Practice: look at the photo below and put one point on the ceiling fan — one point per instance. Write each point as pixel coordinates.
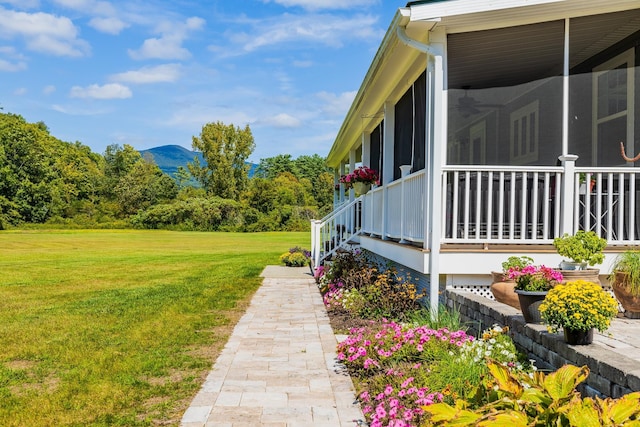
(469, 106)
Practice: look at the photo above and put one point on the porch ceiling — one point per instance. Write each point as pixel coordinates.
(395, 65)
(502, 60)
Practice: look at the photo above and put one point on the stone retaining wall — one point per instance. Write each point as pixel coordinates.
(612, 374)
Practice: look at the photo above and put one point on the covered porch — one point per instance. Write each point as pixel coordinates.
(492, 124)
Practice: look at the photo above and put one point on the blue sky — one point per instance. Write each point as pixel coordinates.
(153, 72)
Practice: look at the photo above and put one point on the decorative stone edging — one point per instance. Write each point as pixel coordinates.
(611, 373)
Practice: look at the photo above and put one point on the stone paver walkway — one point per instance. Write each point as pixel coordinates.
(279, 366)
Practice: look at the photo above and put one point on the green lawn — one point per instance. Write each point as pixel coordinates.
(119, 327)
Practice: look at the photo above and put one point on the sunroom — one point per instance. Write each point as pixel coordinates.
(495, 127)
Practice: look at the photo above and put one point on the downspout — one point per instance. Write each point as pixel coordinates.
(433, 193)
(422, 47)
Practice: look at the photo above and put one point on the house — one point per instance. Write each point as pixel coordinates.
(495, 127)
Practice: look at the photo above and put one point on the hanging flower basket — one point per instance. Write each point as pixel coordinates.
(363, 175)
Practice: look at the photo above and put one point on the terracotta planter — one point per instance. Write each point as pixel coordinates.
(498, 276)
(578, 337)
(589, 275)
(530, 305)
(503, 290)
(629, 302)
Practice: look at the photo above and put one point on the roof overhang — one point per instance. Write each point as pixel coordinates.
(396, 65)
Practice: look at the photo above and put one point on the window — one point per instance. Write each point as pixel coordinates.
(612, 105)
(524, 135)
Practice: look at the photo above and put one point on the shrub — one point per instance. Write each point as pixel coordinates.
(368, 293)
(296, 257)
(200, 214)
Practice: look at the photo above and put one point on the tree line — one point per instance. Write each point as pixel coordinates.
(44, 180)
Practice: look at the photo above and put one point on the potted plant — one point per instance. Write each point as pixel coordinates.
(360, 179)
(513, 262)
(625, 281)
(582, 177)
(532, 284)
(578, 307)
(502, 287)
(583, 248)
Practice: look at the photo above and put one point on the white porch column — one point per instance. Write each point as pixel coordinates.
(388, 138)
(342, 172)
(567, 192)
(404, 171)
(387, 155)
(565, 91)
(352, 166)
(337, 194)
(366, 149)
(437, 143)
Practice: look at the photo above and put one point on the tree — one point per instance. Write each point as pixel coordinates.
(25, 171)
(225, 149)
(118, 162)
(310, 167)
(271, 167)
(145, 185)
(182, 177)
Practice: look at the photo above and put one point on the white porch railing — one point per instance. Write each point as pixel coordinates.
(492, 204)
(335, 230)
(608, 202)
(405, 199)
(499, 205)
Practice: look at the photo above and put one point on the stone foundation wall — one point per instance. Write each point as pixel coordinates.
(611, 373)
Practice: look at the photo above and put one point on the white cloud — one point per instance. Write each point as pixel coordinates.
(282, 120)
(108, 25)
(336, 104)
(20, 91)
(108, 91)
(195, 116)
(12, 66)
(97, 7)
(78, 111)
(324, 4)
(49, 89)
(302, 64)
(43, 32)
(157, 74)
(162, 48)
(329, 30)
(23, 4)
(169, 44)
(104, 16)
(14, 61)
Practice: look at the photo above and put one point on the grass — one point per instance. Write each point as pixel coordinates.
(119, 328)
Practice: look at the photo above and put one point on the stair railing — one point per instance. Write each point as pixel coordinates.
(335, 230)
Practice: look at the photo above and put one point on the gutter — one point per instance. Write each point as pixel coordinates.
(401, 31)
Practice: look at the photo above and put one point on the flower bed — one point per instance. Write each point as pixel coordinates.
(400, 366)
(419, 372)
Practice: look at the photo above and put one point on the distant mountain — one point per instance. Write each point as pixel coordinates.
(170, 157)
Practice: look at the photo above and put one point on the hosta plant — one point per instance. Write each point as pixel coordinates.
(510, 398)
